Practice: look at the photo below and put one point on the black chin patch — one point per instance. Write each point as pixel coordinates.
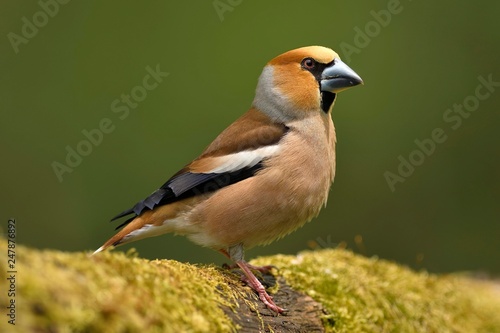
(327, 99)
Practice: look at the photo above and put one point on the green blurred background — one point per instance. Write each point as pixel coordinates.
(444, 217)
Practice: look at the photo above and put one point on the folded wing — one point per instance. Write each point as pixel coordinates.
(236, 154)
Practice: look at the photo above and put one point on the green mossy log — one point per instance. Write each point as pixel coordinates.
(120, 292)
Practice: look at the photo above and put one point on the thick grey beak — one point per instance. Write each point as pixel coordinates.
(338, 77)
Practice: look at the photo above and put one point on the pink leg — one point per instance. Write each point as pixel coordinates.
(255, 284)
(263, 269)
(236, 253)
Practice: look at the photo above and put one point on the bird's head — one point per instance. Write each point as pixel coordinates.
(301, 81)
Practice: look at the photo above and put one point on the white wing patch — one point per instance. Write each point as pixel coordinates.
(244, 159)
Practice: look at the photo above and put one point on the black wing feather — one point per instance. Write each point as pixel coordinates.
(187, 185)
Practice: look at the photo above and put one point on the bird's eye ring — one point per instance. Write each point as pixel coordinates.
(308, 63)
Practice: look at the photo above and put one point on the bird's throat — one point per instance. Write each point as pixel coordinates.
(327, 99)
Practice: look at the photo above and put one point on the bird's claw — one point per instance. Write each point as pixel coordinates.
(268, 301)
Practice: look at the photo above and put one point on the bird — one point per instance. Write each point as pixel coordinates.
(264, 176)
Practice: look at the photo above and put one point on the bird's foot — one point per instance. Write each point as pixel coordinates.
(250, 279)
(268, 300)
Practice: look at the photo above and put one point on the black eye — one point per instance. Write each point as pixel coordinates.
(308, 63)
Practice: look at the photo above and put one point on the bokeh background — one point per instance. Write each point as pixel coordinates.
(63, 79)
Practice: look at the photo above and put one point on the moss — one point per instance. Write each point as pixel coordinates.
(115, 292)
(118, 292)
(372, 295)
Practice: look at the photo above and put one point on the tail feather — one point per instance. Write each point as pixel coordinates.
(150, 223)
(98, 250)
(120, 238)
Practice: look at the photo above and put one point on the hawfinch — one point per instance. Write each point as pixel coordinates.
(264, 176)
